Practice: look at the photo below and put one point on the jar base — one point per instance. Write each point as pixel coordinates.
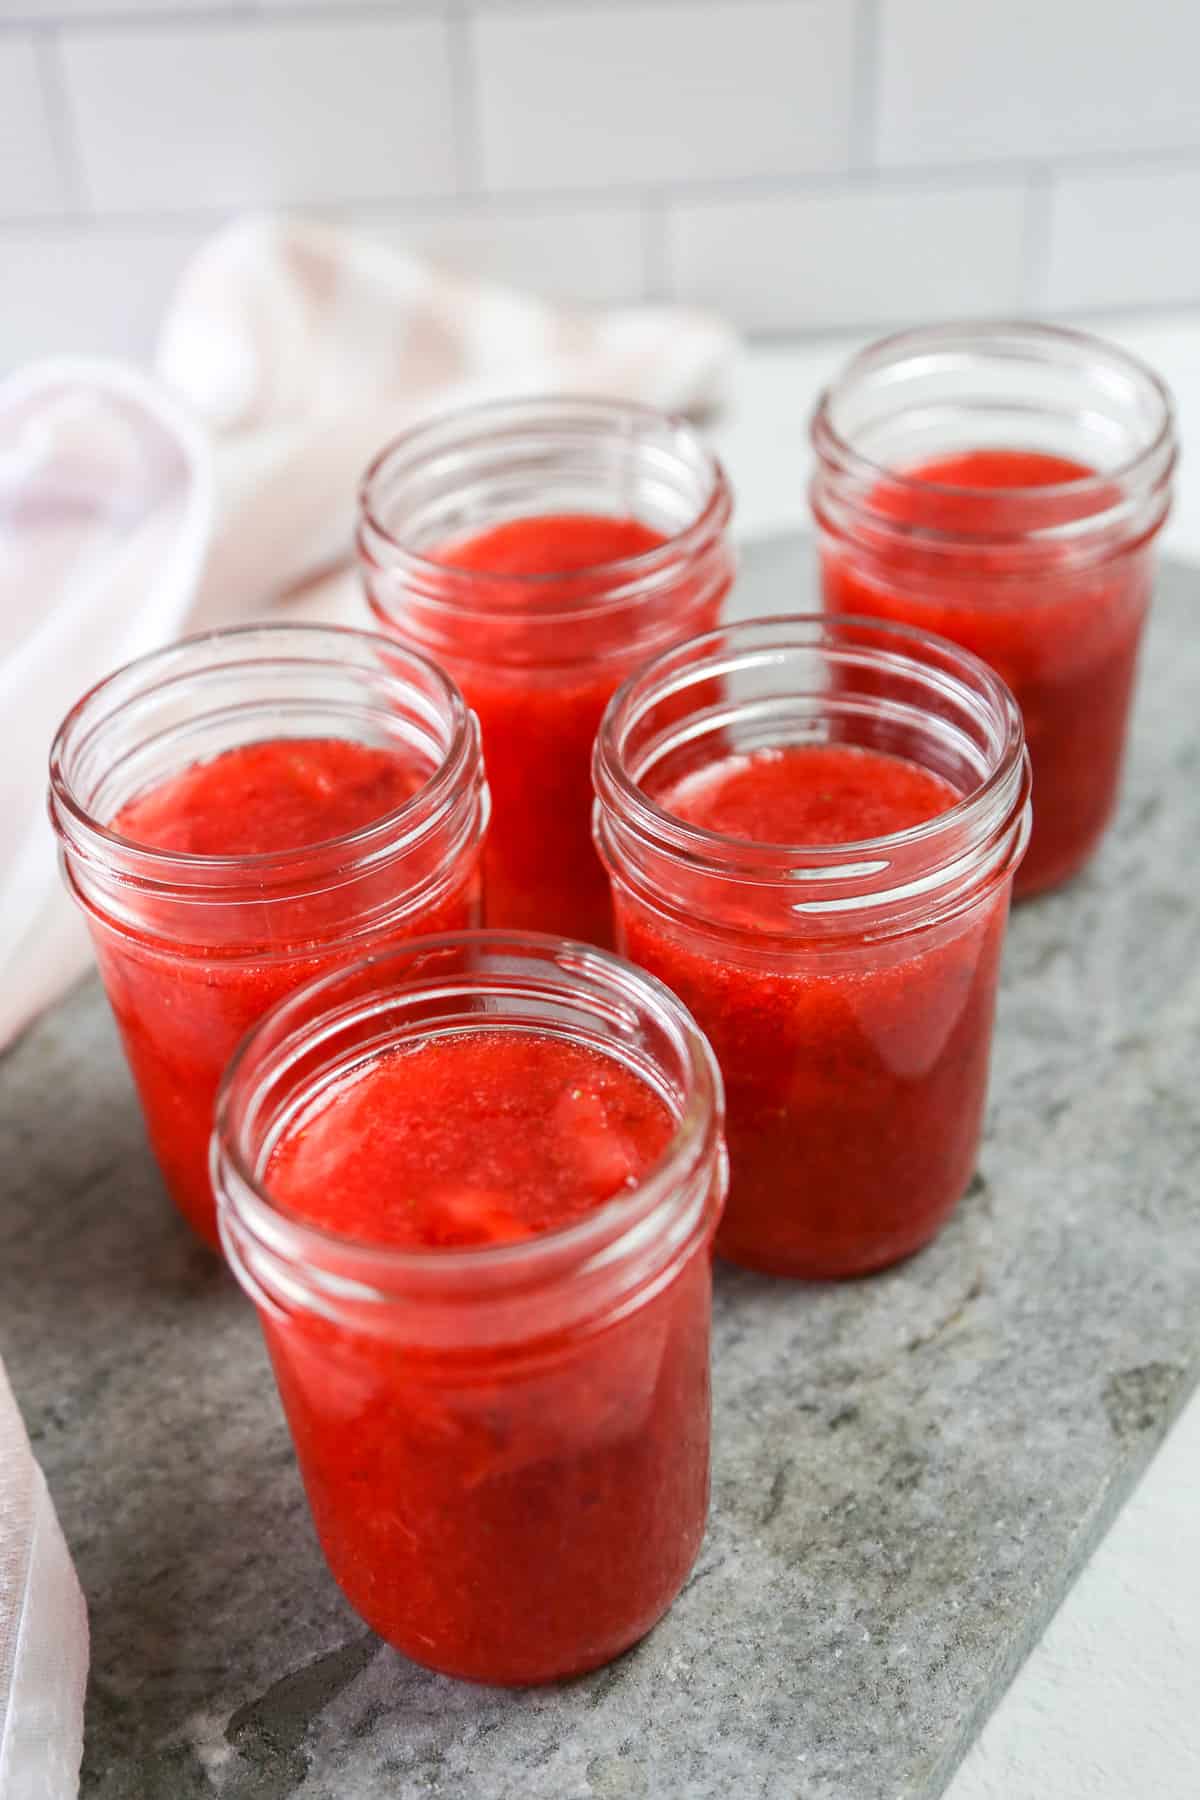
(815, 1266)
(199, 1215)
(1049, 881)
(525, 1676)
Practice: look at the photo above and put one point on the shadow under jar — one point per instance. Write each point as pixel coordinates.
(847, 988)
(498, 540)
(1003, 485)
(505, 1444)
(244, 738)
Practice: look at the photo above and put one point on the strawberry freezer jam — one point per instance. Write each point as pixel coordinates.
(558, 544)
(506, 1514)
(855, 1070)
(1065, 640)
(539, 724)
(482, 1138)
(818, 794)
(273, 795)
(182, 1011)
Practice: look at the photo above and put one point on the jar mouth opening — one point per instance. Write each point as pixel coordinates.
(990, 337)
(896, 648)
(290, 645)
(298, 1023)
(623, 576)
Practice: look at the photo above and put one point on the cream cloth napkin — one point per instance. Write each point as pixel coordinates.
(134, 508)
(304, 348)
(43, 1630)
(105, 519)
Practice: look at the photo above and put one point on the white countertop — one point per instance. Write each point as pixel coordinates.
(1105, 1708)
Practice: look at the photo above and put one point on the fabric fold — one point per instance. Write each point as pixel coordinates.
(43, 1629)
(137, 507)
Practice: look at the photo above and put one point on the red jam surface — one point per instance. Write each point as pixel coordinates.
(512, 1513)
(811, 794)
(539, 723)
(484, 1138)
(555, 544)
(1066, 642)
(855, 1070)
(270, 796)
(183, 1009)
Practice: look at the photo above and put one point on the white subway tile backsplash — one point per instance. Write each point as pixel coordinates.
(77, 289)
(593, 254)
(801, 164)
(254, 113)
(618, 94)
(1124, 238)
(856, 256)
(30, 179)
(976, 79)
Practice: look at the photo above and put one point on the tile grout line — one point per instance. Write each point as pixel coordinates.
(465, 111)
(68, 155)
(702, 192)
(163, 18)
(219, 11)
(1032, 177)
(864, 89)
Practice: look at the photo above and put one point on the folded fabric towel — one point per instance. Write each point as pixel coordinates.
(304, 348)
(43, 1630)
(134, 508)
(105, 523)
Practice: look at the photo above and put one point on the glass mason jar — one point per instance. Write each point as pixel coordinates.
(1003, 484)
(505, 1447)
(847, 990)
(539, 655)
(193, 949)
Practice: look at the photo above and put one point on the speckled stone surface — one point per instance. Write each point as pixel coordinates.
(908, 1470)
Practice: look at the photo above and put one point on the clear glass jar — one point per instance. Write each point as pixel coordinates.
(506, 1447)
(847, 990)
(1003, 485)
(193, 949)
(539, 655)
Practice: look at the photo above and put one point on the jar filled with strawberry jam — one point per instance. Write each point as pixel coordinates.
(812, 826)
(471, 1187)
(1003, 485)
(540, 550)
(238, 813)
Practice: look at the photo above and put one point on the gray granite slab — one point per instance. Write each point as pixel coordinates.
(909, 1470)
